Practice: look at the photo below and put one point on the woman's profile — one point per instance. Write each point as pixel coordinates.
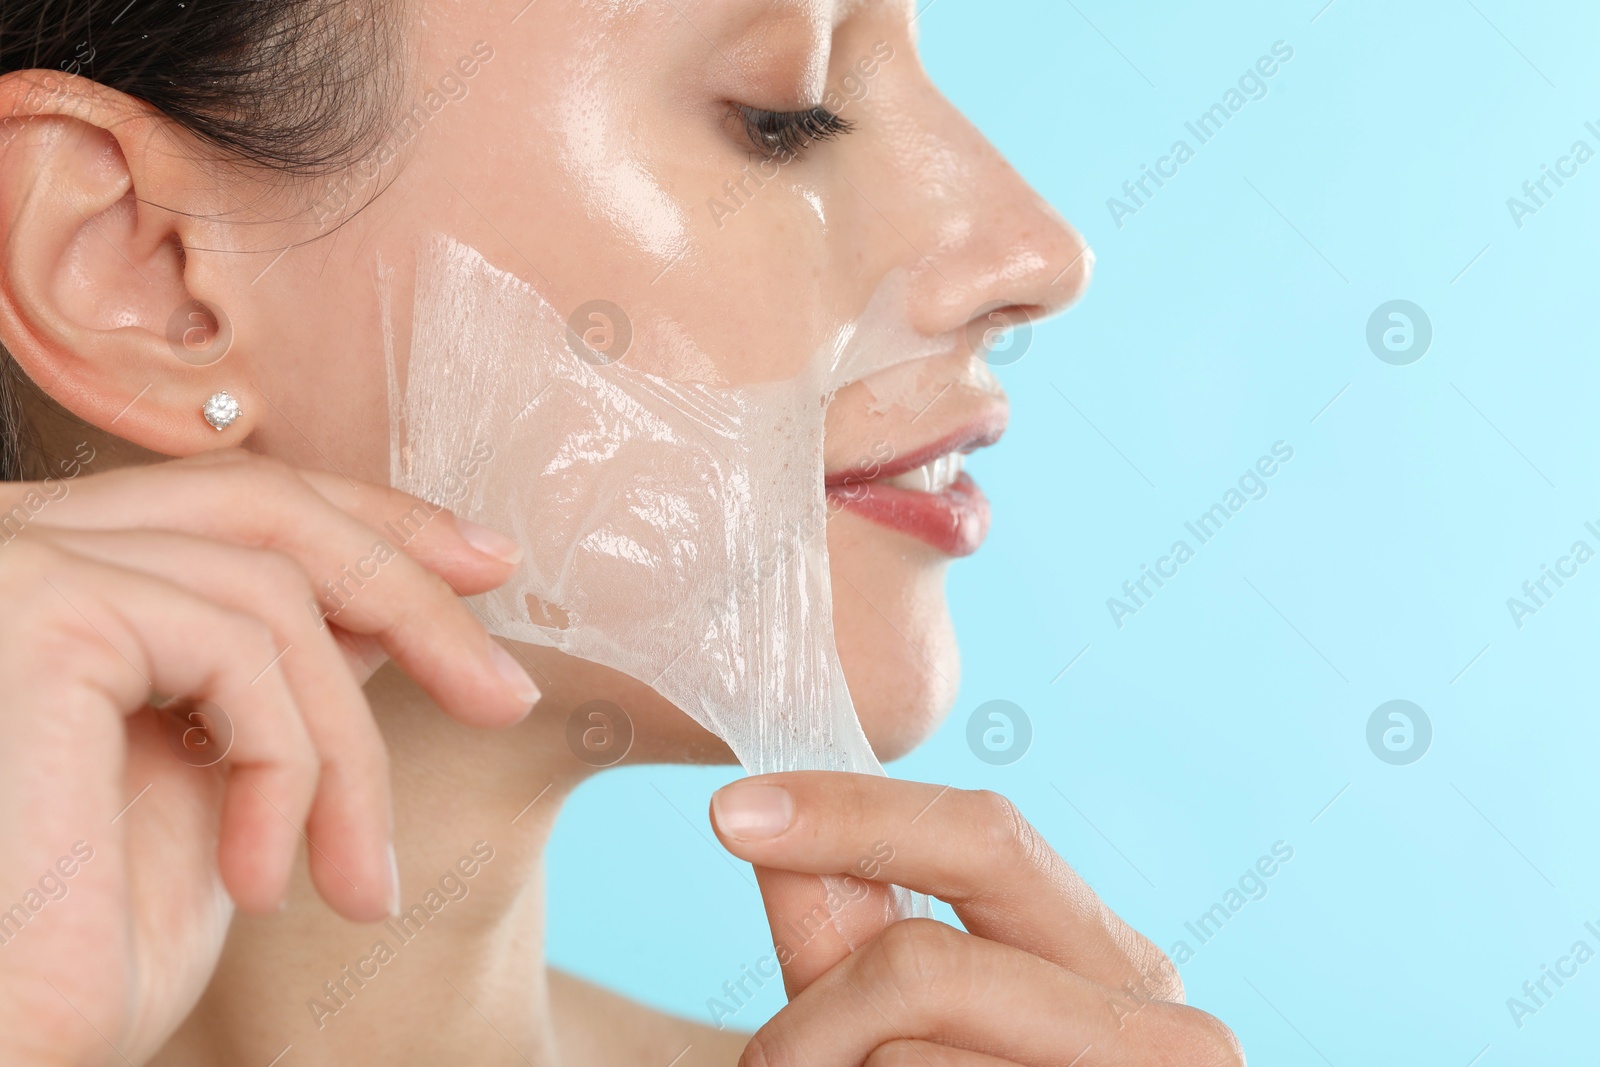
(269, 791)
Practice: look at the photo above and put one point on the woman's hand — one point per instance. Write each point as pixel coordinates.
(260, 598)
(1046, 976)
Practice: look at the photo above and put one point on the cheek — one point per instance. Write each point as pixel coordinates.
(894, 632)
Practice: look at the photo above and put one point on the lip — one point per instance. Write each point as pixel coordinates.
(954, 521)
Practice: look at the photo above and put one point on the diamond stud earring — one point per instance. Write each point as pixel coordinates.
(220, 410)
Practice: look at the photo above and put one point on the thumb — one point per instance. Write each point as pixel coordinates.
(818, 920)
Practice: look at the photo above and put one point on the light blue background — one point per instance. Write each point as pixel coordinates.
(1228, 314)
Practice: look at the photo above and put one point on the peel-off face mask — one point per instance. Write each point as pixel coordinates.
(673, 516)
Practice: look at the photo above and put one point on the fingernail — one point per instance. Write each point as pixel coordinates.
(394, 883)
(752, 811)
(491, 543)
(517, 678)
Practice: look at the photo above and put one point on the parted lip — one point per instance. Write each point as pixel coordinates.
(978, 432)
(954, 520)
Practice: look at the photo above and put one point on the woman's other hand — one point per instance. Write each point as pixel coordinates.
(255, 599)
(1046, 975)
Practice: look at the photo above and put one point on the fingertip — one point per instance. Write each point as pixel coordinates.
(752, 810)
(357, 890)
(477, 683)
(489, 543)
(258, 842)
(475, 560)
(525, 693)
(351, 855)
(255, 865)
(256, 894)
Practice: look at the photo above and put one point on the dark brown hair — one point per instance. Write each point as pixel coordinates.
(297, 86)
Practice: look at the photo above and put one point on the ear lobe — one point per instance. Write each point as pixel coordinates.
(94, 301)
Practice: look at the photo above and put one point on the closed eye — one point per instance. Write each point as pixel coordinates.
(786, 133)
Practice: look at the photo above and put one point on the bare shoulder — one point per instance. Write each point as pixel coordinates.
(596, 1027)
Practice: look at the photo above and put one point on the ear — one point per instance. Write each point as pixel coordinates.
(99, 303)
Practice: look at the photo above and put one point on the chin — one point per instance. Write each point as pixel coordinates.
(895, 639)
(894, 633)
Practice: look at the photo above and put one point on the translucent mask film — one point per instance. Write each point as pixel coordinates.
(673, 517)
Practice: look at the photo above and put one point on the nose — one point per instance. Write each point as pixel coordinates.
(981, 240)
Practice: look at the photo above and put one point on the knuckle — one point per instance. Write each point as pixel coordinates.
(283, 588)
(272, 582)
(236, 463)
(1006, 837)
(273, 480)
(283, 571)
(264, 465)
(250, 636)
(53, 641)
(762, 1051)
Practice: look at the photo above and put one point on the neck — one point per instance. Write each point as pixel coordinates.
(460, 975)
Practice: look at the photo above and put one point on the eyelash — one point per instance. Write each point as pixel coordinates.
(776, 133)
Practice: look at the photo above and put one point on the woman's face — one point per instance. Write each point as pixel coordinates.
(591, 148)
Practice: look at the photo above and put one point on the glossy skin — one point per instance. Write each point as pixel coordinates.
(577, 144)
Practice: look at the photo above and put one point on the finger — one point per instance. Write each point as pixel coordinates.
(924, 981)
(472, 558)
(350, 827)
(971, 849)
(363, 582)
(167, 639)
(906, 1053)
(818, 920)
